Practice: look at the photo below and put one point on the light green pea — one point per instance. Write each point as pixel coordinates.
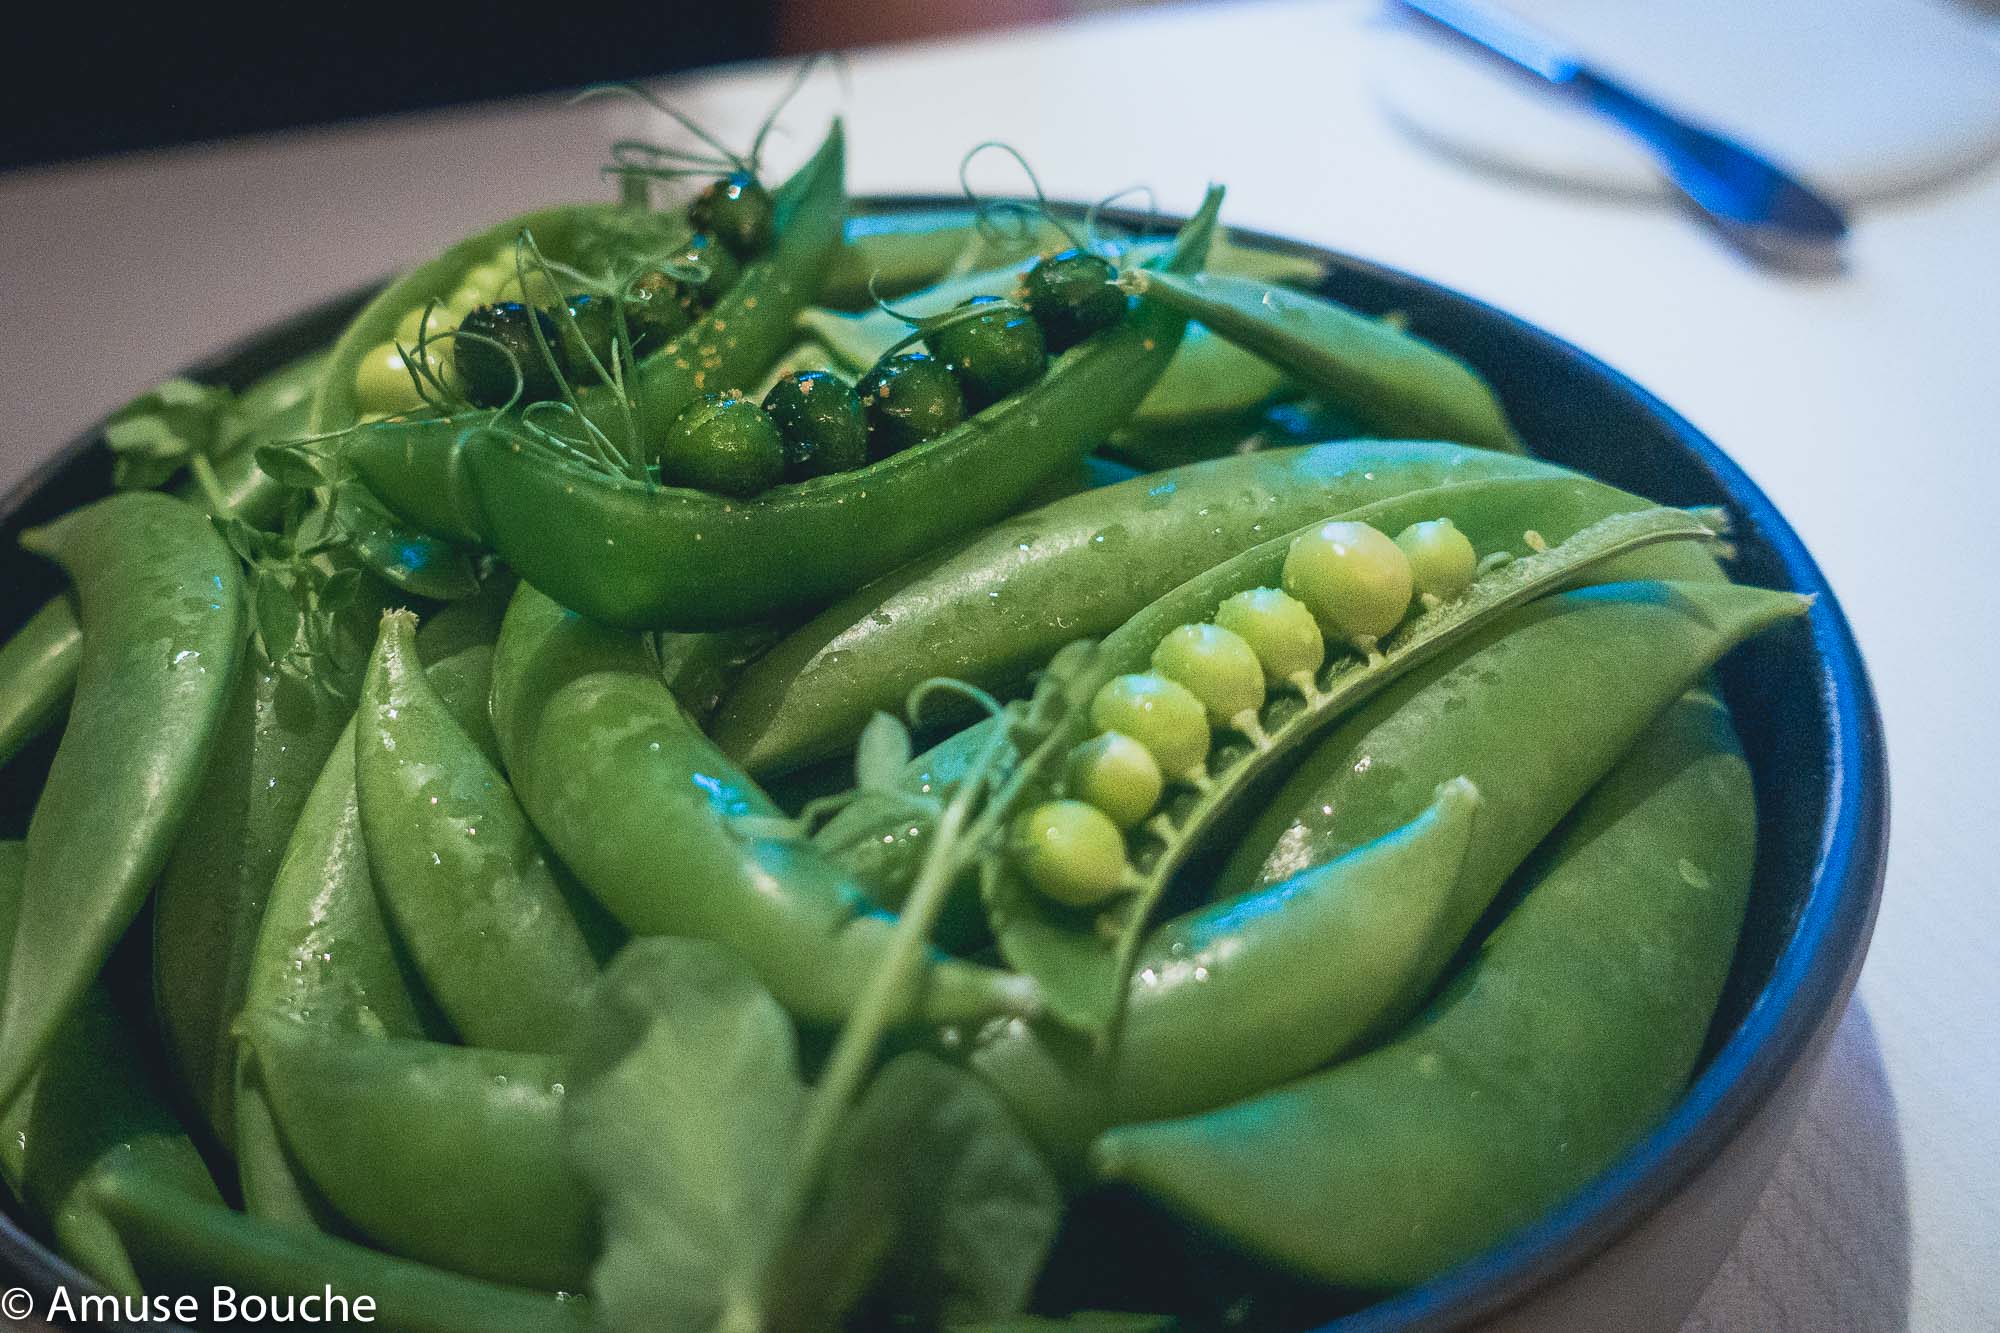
(1442, 561)
(1160, 714)
(1217, 666)
(1072, 852)
(1117, 775)
(1354, 580)
(1280, 630)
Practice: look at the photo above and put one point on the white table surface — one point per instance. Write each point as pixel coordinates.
(1864, 405)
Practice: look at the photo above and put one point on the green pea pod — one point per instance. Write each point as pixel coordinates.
(999, 606)
(449, 1155)
(639, 556)
(662, 829)
(461, 872)
(1568, 1035)
(160, 599)
(324, 956)
(1398, 383)
(1539, 708)
(38, 664)
(414, 466)
(87, 1111)
(275, 735)
(1247, 992)
(1084, 959)
(1209, 378)
(196, 1248)
(38, 667)
(889, 254)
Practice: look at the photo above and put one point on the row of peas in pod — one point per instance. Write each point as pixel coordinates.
(1345, 584)
(812, 423)
(494, 354)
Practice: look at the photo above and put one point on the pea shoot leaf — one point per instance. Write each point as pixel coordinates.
(278, 613)
(681, 1121)
(292, 465)
(935, 1207)
(155, 434)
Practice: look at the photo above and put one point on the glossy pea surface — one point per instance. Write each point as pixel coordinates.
(737, 211)
(1160, 714)
(502, 352)
(994, 347)
(725, 445)
(910, 398)
(822, 422)
(1279, 629)
(1216, 666)
(1116, 774)
(1442, 561)
(1355, 581)
(1072, 295)
(1072, 851)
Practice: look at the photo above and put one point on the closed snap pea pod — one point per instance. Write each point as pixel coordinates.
(642, 808)
(415, 466)
(179, 1246)
(997, 607)
(89, 1110)
(160, 599)
(38, 667)
(1571, 1032)
(1247, 992)
(274, 739)
(1083, 962)
(636, 556)
(1398, 383)
(449, 1155)
(459, 869)
(1539, 707)
(38, 663)
(324, 956)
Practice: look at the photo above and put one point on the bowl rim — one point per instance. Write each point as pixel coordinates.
(1811, 976)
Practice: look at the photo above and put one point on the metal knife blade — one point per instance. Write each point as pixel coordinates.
(1755, 203)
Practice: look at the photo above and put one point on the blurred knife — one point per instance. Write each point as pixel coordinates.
(1774, 216)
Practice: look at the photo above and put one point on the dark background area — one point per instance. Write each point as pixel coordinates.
(87, 80)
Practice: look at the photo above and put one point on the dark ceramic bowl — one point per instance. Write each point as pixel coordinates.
(1636, 1247)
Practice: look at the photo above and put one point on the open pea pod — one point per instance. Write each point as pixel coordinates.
(193, 1248)
(1247, 992)
(160, 600)
(1209, 378)
(89, 1111)
(445, 1154)
(415, 467)
(1396, 382)
(1529, 1075)
(665, 831)
(1083, 958)
(639, 556)
(998, 606)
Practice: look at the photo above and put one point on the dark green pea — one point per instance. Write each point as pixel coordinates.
(590, 331)
(723, 444)
(996, 352)
(660, 307)
(738, 211)
(1073, 295)
(822, 423)
(487, 372)
(715, 260)
(910, 398)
